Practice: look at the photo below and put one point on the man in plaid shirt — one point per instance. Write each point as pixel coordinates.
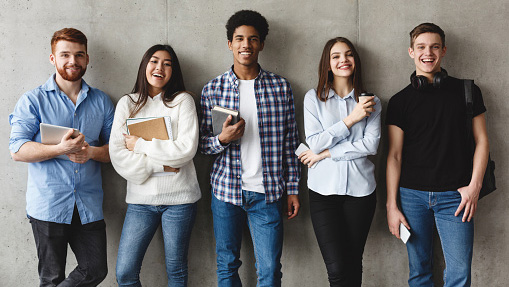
(256, 161)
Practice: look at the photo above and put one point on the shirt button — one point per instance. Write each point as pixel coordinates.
(238, 176)
(238, 160)
(76, 171)
(75, 190)
(75, 114)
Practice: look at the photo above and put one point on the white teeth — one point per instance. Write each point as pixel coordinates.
(427, 60)
(245, 53)
(157, 75)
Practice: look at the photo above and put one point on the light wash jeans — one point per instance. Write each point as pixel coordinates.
(423, 210)
(266, 227)
(141, 222)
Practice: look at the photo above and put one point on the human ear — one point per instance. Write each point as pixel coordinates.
(52, 59)
(411, 52)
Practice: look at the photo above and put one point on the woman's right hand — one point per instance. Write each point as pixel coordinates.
(363, 109)
(394, 219)
(309, 158)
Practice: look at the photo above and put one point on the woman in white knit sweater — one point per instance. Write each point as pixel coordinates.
(162, 187)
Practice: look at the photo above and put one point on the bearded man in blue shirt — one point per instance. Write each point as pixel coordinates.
(255, 161)
(64, 189)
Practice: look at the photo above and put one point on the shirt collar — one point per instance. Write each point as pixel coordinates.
(157, 97)
(51, 85)
(333, 94)
(233, 78)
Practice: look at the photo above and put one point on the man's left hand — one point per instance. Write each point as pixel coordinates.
(82, 156)
(469, 198)
(293, 205)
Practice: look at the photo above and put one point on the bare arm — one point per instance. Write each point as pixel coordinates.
(470, 193)
(36, 152)
(394, 215)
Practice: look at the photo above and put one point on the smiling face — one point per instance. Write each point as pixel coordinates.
(427, 53)
(342, 63)
(158, 72)
(245, 46)
(70, 60)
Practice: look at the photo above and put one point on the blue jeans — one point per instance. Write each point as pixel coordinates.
(266, 227)
(140, 225)
(422, 210)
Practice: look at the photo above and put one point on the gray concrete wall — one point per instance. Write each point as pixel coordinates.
(120, 31)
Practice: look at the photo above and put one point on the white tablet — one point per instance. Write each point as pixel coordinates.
(52, 134)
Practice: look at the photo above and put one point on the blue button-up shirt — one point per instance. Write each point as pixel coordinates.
(278, 136)
(56, 185)
(348, 171)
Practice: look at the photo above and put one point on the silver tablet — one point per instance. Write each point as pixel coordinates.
(52, 134)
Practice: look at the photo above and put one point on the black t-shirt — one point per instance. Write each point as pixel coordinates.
(436, 154)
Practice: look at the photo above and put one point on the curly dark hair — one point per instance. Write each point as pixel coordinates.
(248, 18)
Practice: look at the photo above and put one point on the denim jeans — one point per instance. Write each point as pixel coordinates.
(88, 242)
(266, 227)
(423, 210)
(140, 225)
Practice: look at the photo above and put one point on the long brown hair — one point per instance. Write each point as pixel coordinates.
(174, 86)
(326, 77)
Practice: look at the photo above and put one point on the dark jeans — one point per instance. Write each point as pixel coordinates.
(341, 225)
(88, 242)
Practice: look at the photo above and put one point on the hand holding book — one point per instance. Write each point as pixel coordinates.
(231, 133)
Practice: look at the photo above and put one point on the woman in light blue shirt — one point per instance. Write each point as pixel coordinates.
(342, 128)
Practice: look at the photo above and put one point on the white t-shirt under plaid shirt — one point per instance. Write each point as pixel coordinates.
(278, 136)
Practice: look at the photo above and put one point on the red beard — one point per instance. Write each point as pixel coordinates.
(71, 77)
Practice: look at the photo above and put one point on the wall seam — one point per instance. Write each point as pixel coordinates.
(167, 23)
(358, 23)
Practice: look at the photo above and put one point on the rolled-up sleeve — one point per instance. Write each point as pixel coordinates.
(24, 121)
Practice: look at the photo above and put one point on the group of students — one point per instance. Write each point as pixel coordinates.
(429, 167)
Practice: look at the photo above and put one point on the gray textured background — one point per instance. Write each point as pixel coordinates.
(120, 31)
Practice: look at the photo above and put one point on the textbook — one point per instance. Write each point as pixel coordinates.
(150, 128)
(219, 115)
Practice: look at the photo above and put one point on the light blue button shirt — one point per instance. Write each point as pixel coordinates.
(348, 171)
(55, 185)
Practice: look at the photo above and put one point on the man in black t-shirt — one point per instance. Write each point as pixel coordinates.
(429, 165)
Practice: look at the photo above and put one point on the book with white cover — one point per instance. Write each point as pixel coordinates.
(168, 134)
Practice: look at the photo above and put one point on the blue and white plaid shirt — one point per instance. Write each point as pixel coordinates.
(278, 135)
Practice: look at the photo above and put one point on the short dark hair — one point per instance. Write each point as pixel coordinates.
(426, 28)
(68, 34)
(248, 18)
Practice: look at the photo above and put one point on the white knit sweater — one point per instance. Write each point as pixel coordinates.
(148, 157)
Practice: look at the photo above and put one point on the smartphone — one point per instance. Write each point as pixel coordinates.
(404, 233)
(302, 148)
